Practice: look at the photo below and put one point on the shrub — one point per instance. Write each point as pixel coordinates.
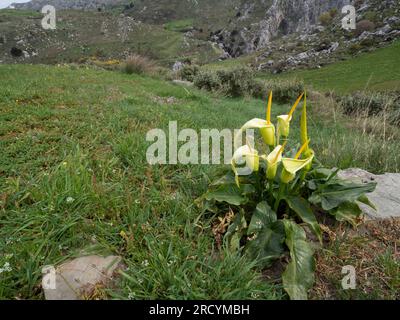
(364, 25)
(237, 82)
(372, 105)
(241, 82)
(207, 80)
(139, 65)
(284, 90)
(325, 18)
(233, 83)
(354, 48)
(333, 12)
(189, 72)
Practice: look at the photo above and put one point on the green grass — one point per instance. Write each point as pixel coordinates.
(179, 25)
(19, 13)
(378, 70)
(73, 175)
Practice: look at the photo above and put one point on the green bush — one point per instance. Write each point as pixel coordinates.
(372, 105)
(241, 82)
(139, 65)
(237, 82)
(325, 18)
(364, 25)
(232, 83)
(284, 90)
(189, 72)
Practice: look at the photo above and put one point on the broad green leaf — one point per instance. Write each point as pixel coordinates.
(236, 231)
(364, 199)
(266, 235)
(263, 216)
(347, 211)
(228, 178)
(305, 213)
(267, 244)
(227, 193)
(298, 277)
(331, 196)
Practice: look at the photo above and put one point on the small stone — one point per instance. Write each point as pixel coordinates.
(79, 277)
(183, 83)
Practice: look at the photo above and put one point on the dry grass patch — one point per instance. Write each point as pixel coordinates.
(372, 250)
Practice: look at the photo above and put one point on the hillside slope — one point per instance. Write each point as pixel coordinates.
(377, 70)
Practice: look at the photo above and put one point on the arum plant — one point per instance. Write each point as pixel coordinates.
(274, 196)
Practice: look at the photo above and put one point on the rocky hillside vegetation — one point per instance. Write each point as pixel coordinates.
(274, 35)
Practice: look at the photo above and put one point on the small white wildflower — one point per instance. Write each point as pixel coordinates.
(6, 267)
(145, 263)
(140, 281)
(137, 201)
(170, 262)
(131, 296)
(70, 200)
(255, 295)
(65, 163)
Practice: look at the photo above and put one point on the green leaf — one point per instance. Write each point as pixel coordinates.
(347, 211)
(305, 213)
(298, 277)
(227, 193)
(331, 196)
(267, 244)
(263, 216)
(267, 236)
(228, 178)
(364, 199)
(235, 231)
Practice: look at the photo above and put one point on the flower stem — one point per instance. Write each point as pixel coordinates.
(280, 194)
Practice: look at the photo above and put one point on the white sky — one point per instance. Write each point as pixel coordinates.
(6, 3)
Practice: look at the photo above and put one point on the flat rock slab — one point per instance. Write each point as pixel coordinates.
(183, 83)
(79, 277)
(386, 196)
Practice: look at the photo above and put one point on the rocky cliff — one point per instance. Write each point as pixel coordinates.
(257, 22)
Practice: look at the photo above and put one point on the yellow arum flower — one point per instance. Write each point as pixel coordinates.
(308, 152)
(268, 132)
(273, 160)
(303, 123)
(284, 120)
(292, 165)
(251, 158)
(256, 123)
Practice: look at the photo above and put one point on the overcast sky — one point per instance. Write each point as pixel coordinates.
(6, 3)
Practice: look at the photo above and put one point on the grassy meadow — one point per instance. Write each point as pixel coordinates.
(74, 179)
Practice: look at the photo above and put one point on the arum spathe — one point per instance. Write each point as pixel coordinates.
(267, 129)
(308, 152)
(251, 158)
(268, 132)
(273, 160)
(293, 165)
(284, 120)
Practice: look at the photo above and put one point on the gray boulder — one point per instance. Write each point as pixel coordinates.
(386, 196)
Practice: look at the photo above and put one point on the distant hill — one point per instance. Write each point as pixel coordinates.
(273, 36)
(69, 4)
